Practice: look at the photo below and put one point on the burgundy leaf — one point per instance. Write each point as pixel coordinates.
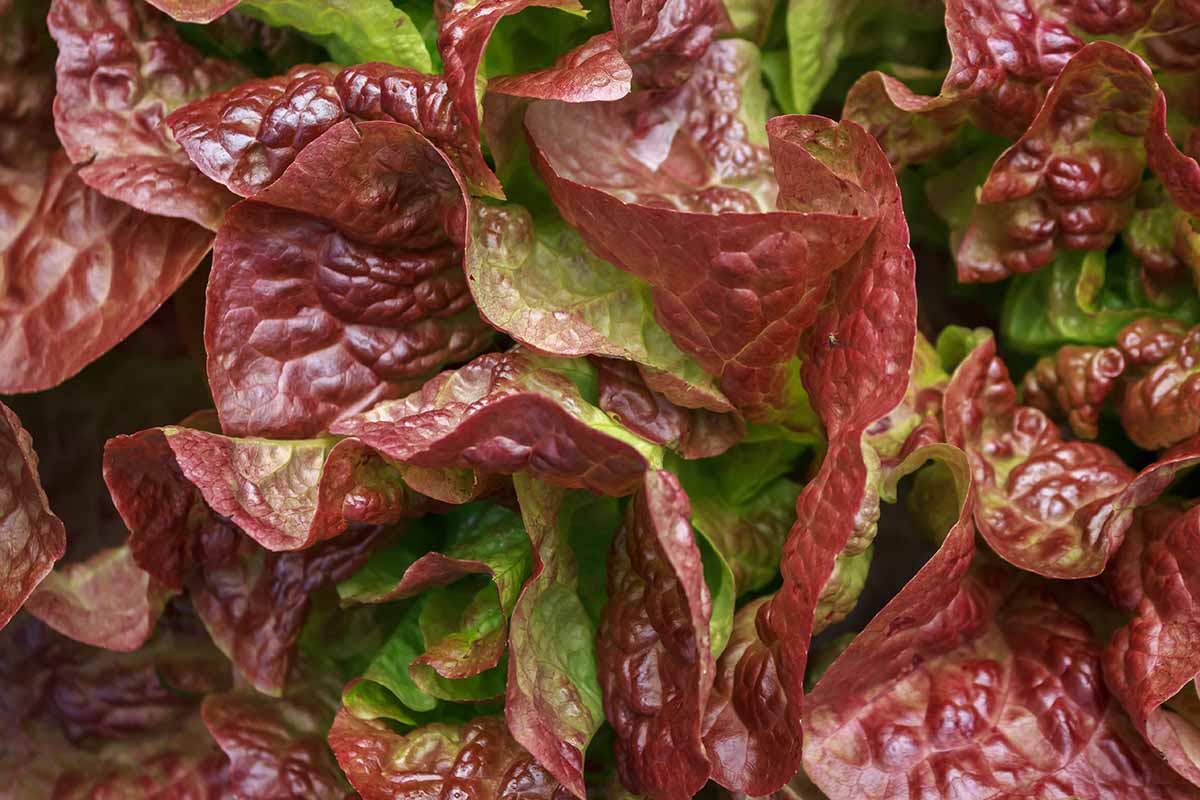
(194, 10)
(105, 601)
(692, 432)
(1073, 383)
(856, 370)
(1155, 655)
(89, 724)
(594, 71)
(80, 273)
(340, 284)
(122, 67)
(1160, 395)
(1003, 60)
(475, 761)
(276, 748)
(463, 32)
(502, 413)
(247, 136)
(652, 648)
(1070, 180)
(31, 537)
(910, 127)
(286, 495)
(663, 39)
(1044, 504)
(647, 200)
(254, 603)
(972, 687)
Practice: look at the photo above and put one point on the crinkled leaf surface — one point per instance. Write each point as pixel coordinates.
(856, 370)
(79, 272)
(648, 202)
(31, 536)
(654, 405)
(340, 284)
(652, 648)
(594, 71)
(276, 747)
(1070, 179)
(105, 601)
(1004, 698)
(553, 701)
(247, 136)
(505, 412)
(479, 760)
(122, 68)
(545, 288)
(1044, 504)
(663, 39)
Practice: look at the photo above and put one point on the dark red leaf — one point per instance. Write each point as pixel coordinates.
(31, 537)
(340, 284)
(122, 68)
(652, 648)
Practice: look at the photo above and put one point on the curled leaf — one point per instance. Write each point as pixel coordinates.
(653, 651)
(505, 412)
(375, 296)
(31, 536)
(122, 68)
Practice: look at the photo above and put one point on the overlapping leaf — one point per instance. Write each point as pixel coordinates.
(31, 536)
(505, 412)
(340, 284)
(648, 202)
(122, 68)
(479, 759)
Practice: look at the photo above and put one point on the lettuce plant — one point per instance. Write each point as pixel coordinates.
(493, 399)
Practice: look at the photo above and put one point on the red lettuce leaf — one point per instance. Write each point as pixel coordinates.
(89, 724)
(594, 71)
(663, 39)
(647, 201)
(200, 11)
(340, 284)
(1159, 392)
(553, 700)
(1070, 180)
(626, 395)
(105, 601)
(254, 603)
(1003, 60)
(286, 495)
(543, 287)
(1153, 657)
(1044, 504)
(33, 538)
(81, 272)
(652, 648)
(856, 369)
(1073, 384)
(478, 760)
(276, 747)
(464, 28)
(505, 412)
(122, 67)
(247, 136)
(993, 692)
